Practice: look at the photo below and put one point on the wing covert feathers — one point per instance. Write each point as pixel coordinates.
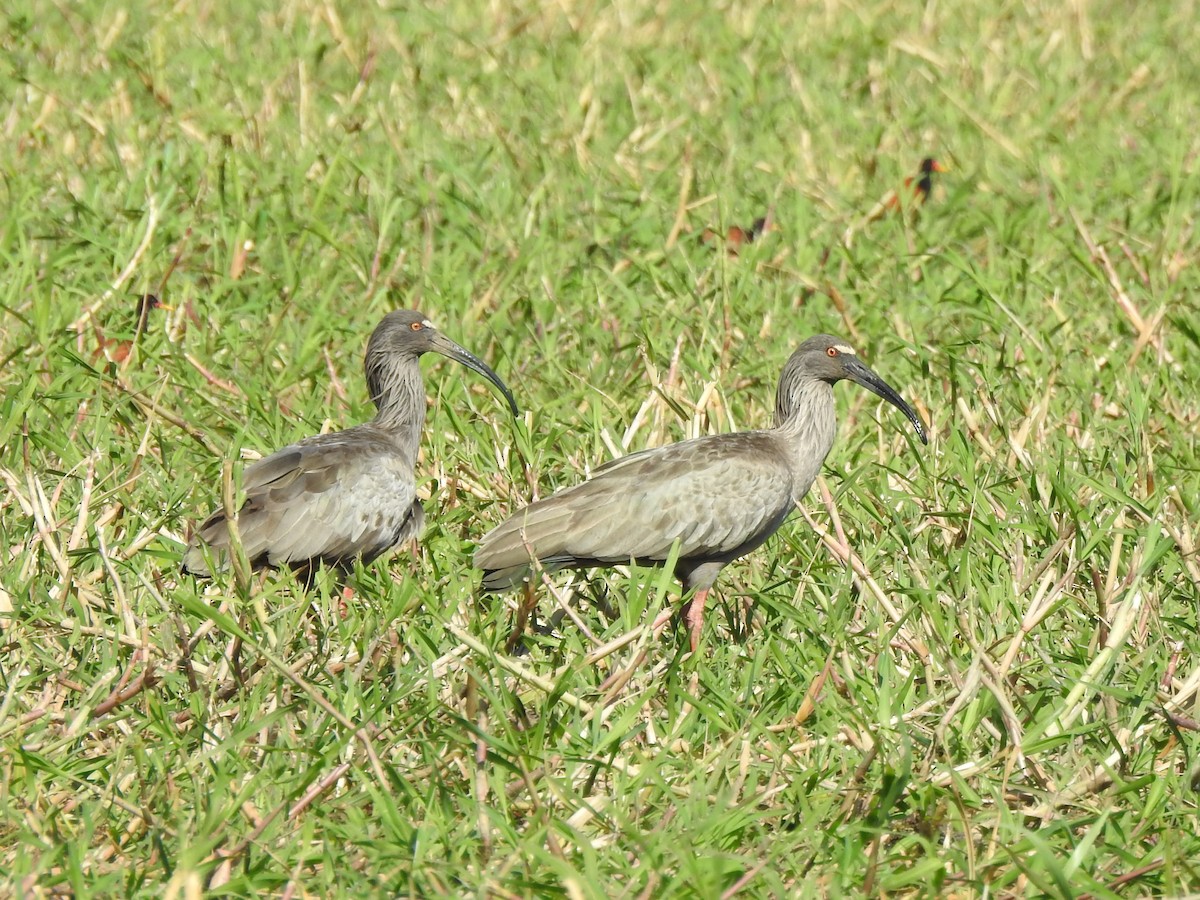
(719, 497)
(325, 498)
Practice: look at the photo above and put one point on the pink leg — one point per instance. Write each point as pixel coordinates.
(695, 616)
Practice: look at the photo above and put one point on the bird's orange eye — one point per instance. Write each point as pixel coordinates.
(832, 351)
(416, 326)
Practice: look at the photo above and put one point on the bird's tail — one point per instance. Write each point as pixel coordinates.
(538, 532)
(210, 544)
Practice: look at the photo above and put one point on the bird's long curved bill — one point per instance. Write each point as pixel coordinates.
(862, 374)
(451, 350)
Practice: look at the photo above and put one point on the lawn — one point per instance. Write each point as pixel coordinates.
(965, 669)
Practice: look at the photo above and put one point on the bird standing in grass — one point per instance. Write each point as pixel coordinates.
(920, 185)
(922, 182)
(717, 497)
(348, 495)
(117, 348)
(736, 237)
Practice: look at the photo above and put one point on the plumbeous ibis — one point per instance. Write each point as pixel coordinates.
(337, 497)
(718, 496)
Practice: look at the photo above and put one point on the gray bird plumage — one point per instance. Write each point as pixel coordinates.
(718, 496)
(338, 497)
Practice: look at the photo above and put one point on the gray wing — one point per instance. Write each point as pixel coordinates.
(718, 496)
(332, 497)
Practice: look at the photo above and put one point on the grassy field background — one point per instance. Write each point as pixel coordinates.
(998, 696)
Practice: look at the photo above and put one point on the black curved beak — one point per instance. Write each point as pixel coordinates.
(447, 348)
(860, 373)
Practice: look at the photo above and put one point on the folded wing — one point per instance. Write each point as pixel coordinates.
(332, 497)
(719, 497)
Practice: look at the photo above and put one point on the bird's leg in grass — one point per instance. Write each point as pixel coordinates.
(521, 620)
(235, 660)
(694, 615)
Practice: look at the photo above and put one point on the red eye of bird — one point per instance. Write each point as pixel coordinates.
(416, 326)
(832, 351)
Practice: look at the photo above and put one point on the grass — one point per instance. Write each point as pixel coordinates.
(997, 695)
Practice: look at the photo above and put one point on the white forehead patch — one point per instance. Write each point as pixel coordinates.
(842, 348)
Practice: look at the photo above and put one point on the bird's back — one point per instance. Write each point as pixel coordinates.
(719, 496)
(331, 497)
